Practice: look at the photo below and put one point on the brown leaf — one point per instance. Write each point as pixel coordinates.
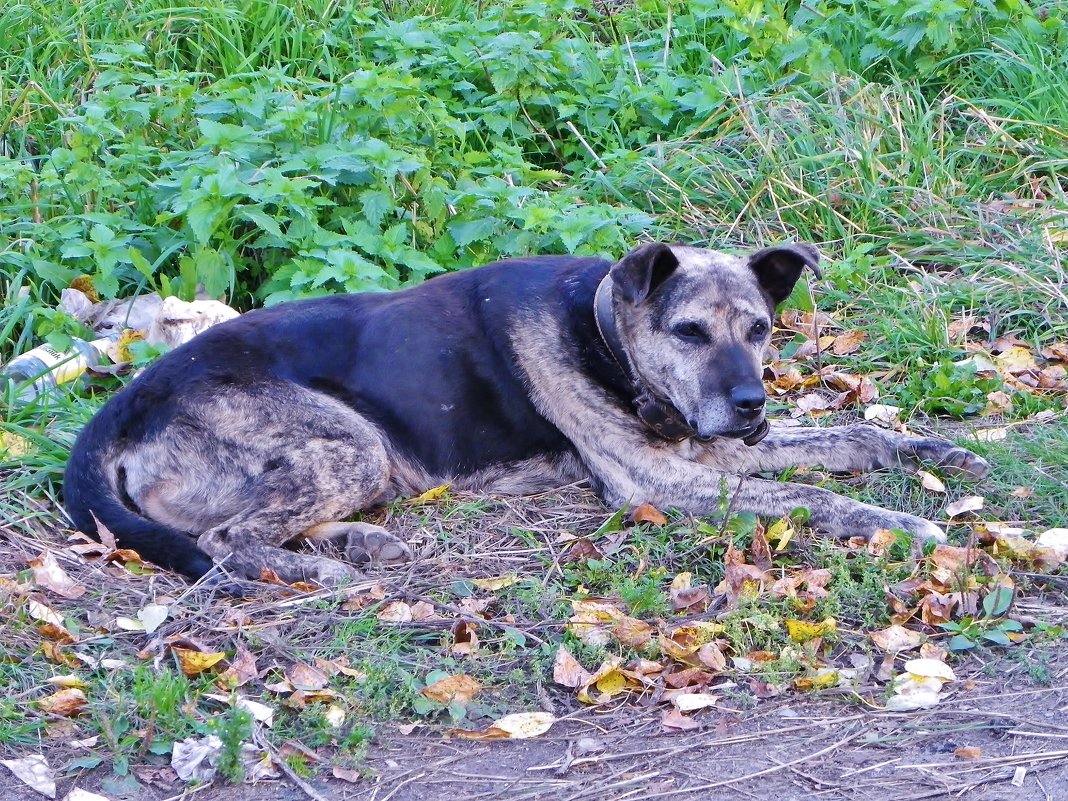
(305, 677)
(241, 671)
(66, 703)
(632, 632)
(968, 752)
(647, 513)
(567, 670)
(881, 541)
(761, 550)
(847, 343)
(453, 689)
(582, 549)
(808, 323)
(674, 721)
(48, 574)
(741, 578)
(464, 638)
(395, 612)
(350, 775)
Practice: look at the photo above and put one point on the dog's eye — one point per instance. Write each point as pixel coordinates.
(758, 330)
(691, 332)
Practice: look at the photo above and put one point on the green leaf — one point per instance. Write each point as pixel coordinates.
(997, 636)
(997, 601)
(961, 643)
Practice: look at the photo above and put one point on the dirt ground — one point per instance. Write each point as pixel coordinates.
(789, 749)
(792, 746)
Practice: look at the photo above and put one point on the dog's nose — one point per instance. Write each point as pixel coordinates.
(748, 400)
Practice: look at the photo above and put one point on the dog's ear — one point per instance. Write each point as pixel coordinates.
(778, 268)
(637, 275)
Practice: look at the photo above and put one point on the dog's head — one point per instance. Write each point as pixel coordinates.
(696, 323)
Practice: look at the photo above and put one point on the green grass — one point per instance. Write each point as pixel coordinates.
(281, 149)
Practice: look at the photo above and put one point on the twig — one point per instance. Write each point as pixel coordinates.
(310, 791)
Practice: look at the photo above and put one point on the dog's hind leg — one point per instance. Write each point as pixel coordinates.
(259, 466)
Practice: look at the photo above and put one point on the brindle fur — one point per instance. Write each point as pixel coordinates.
(285, 422)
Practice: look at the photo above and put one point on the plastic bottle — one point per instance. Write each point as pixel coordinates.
(42, 368)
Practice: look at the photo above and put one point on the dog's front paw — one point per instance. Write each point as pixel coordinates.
(943, 453)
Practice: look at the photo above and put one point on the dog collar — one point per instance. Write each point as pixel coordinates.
(657, 414)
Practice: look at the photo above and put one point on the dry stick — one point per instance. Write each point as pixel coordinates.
(585, 144)
(310, 791)
(765, 772)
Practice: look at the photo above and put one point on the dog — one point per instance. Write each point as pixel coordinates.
(642, 377)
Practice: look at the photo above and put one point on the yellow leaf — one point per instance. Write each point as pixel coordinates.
(453, 689)
(820, 680)
(193, 663)
(780, 533)
(803, 631)
(495, 583)
(429, 496)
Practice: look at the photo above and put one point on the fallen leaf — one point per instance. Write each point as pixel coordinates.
(820, 680)
(152, 616)
(305, 677)
(66, 703)
(689, 702)
(395, 612)
(803, 631)
(897, 638)
(968, 752)
(350, 775)
(524, 725)
(882, 413)
(48, 574)
(780, 533)
(495, 583)
(193, 663)
(44, 613)
(969, 503)
(673, 720)
(931, 482)
(760, 549)
(847, 343)
(33, 771)
(590, 619)
(1015, 360)
(632, 632)
(567, 670)
(77, 794)
(241, 671)
(460, 689)
(881, 541)
(930, 669)
(429, 496)
(647, 513)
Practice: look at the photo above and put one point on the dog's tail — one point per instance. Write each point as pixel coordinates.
(91, 497)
